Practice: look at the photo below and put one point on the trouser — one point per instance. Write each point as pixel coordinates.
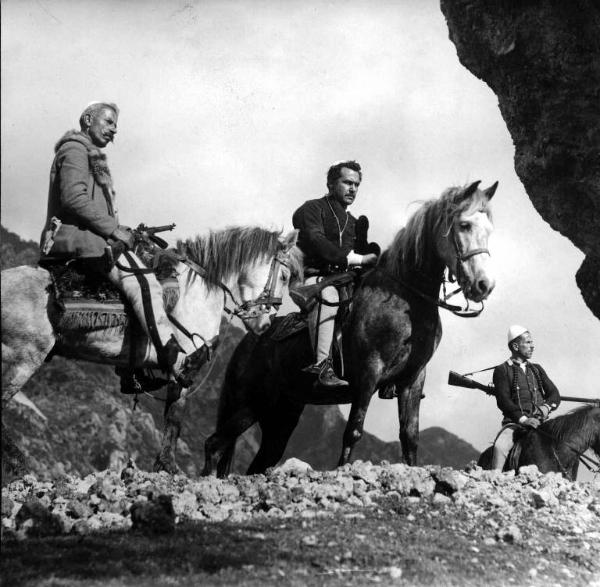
(148, 307)
(504, 442)
(321, 320)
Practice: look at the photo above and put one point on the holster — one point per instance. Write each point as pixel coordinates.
(48, 242)
(112, 252)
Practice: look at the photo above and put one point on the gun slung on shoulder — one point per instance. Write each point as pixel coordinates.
(461, 381)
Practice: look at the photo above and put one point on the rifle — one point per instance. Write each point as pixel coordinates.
(149, 233)
(461, 381)
(305, 296)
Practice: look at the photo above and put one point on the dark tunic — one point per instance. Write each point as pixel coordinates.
(319, 236)
(525, 396)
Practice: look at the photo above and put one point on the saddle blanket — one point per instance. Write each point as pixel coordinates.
(92, 315)
(89, 302)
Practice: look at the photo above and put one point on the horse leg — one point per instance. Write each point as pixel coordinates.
(356, 420)
(485, 458)
(220, 446)
(409, 401)
(276, 431)
(174, 412)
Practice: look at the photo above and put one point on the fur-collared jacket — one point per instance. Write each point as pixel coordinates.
(520, 392)
(81, 196)
(320, 222)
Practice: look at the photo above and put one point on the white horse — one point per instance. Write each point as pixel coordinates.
(243, 271)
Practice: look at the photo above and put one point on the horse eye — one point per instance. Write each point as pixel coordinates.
(464, 225)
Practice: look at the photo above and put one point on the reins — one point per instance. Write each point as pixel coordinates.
(586, 460)
(442, 303)
(460, 257)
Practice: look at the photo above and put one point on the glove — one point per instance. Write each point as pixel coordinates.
(125, 235)
(545, 410)
(531, 423)
(369, 259)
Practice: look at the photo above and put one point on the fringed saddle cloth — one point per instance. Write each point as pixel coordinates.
(88, 302)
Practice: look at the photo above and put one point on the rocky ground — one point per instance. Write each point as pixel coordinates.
(362, 523)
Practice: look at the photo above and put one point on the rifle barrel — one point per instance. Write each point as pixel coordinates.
(581, 400)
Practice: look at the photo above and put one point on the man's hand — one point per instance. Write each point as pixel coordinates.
(125, 235)
(369, 259)
(545, 409)
(531, 423)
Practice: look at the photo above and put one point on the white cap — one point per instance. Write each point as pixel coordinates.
(515, 331)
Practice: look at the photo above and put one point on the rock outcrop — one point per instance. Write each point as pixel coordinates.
(157, 502)
(542, 59)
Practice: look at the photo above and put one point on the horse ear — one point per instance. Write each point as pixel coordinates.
(470, 190)
(489, 192)
(289, 240)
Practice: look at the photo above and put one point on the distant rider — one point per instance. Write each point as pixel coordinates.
(82, 222)
(524, 393)
(327, 238)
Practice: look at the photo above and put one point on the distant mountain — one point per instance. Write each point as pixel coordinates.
(15, 251)
(92, 426)
(318, 441)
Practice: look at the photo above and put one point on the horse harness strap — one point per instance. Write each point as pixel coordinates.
(588, 461)
(146, 302)
(263, 302)
(461, 256)
(456, 310)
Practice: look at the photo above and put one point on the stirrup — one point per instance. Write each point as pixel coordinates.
(328, 379)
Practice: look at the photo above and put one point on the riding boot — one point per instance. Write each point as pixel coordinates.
(328, 378)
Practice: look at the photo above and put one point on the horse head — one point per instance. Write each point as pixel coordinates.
(261, 284)
(462, 238)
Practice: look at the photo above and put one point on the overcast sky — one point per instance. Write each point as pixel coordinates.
(231, 113)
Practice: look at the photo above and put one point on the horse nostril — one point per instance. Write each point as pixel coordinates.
(482, 286)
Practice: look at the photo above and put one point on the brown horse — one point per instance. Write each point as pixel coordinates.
(392, 331)
(557, 445)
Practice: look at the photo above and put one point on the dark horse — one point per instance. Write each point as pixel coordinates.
(391, 333)
(556, 445)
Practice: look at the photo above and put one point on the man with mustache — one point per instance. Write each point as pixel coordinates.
(524, 393)
(327, 236)
(82, 224)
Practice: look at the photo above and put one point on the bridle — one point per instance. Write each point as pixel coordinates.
(457, 275)
(266, 299)
(262, 304)
(453, 276)
(462, 257)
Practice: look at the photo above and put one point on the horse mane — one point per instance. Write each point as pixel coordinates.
(224, 253)
(410, 245)
(577, 423)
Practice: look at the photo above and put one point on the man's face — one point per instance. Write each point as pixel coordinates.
(523, 346)
(102, 127)
(344, 188)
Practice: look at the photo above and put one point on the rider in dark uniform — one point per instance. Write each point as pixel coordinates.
(524, 393)
(327, 238)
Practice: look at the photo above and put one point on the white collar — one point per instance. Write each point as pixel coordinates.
(523, 365)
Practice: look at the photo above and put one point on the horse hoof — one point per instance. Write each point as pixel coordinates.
(167, 466)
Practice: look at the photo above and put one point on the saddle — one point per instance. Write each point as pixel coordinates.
(87, 301)
(512, 459)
